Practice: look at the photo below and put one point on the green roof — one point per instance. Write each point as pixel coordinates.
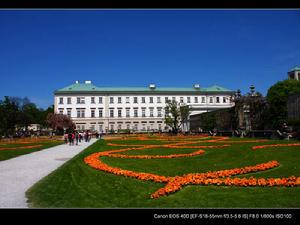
(295, 69)
(83, 87)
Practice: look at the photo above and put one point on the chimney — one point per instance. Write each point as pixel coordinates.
(152, 86)
(76, 82)
(88, 82)
(197, 86)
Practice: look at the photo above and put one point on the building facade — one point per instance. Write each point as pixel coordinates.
(141, 109)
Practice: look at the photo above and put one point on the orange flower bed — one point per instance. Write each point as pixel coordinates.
(275, 145)
(157, 156)
(173, 184)
(21, 147)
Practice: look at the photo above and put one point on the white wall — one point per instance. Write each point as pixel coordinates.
(106, 105)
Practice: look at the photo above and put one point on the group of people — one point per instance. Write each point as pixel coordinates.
(73, 138)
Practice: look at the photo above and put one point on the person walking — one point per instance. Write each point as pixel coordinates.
(73, 138)
(70, 138)
(86, 136)
(89, 136)
(76, 137)
(66, 138)
(80, 137)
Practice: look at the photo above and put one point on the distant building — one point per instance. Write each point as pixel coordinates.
(294, 74)
(136, 108)
(293, 106)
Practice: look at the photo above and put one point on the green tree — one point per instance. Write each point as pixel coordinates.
(29, 114)
(277, 99)
(176, 115)
(44, 114)
(9, 113)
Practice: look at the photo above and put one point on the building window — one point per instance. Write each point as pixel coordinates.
(119, 99)
(127, 112)
(61, 111)
(143, 100)
(218, 99)
(100, 112)
(159, 127)
(136, 126)
(93, 127)
(166, 99)
(61, 100)
(111, 127)
(181, 99)
(127, 126)
(159, 112)
(93, 100)
(135, 112)
(135, 100)
(196, 100)
(119, 126)
(158, 100)
(93, 113)
(202, 99)
(143, 127)
(143, 112)
(100, 127)
(173, 99)
(151, 112)
(111, 112)
(100, 100)
(69, 100)
(69, 112)
(224, 100)
(111, 100)
(151, 99)
(188, 99)
(80, 100)
(127, 100)
(119, 112)
(210, 99)
(80, 113)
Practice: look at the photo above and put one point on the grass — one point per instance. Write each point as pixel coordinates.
(12, 153)
(76, 185)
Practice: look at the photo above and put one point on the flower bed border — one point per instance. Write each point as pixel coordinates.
(221, 177)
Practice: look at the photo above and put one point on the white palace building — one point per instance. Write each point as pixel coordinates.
(135, 108)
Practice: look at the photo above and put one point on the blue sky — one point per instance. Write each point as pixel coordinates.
(44, 50)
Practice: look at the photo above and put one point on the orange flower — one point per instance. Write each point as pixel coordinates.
(275, 145)
(21, 147)
(221, 177)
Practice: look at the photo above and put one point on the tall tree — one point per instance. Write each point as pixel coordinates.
(9, 113)
(44, 114)
(277, 98)
(176, 115)
(60, 122)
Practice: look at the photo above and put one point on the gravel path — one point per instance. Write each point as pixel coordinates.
(17, 175)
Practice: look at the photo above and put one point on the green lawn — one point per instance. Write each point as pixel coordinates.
(8, 154)
(77, 185)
